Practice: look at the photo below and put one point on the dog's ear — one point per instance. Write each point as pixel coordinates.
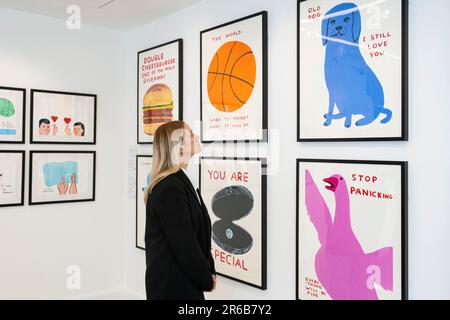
(325, 23)
(356, 25)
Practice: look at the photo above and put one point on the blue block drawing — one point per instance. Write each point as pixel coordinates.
(54, 171)
(8, 132)
(352, 85)
(149, 177)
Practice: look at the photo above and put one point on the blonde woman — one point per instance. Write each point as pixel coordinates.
(178, 227)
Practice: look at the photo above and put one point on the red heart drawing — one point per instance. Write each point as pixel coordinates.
(67, 120)
(54, 118)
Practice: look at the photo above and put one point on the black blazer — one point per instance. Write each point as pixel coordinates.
(177, 241)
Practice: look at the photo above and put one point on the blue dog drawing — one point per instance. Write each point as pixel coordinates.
(353, 87)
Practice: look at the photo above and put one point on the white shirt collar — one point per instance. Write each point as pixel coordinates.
(185, 171)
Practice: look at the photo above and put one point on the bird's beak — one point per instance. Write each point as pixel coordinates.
(332, 183)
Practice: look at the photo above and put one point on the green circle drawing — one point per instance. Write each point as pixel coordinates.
(6, 108)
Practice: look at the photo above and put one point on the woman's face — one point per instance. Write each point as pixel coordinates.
(191, 144)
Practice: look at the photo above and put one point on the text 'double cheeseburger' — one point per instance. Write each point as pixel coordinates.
(158, 107)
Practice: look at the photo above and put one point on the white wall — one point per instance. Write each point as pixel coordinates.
(427, 151)
(38, 243)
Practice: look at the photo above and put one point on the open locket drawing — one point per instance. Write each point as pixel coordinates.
(230, 204)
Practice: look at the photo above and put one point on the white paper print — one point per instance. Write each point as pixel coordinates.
(159, 92)
(63, 118)
(350, 69)
(350, 231)
(232, 81)
(232, 191)
(144, 166)
(62, 177)
(11, 115)
(10, 178)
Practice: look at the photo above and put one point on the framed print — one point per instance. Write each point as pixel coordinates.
(233, 80)
(12, 173)
(143, 177)
(351, 230)
(63, 117)
(61, 176)
(234, 191)
(12, 115)
(352, 70)
(160, 88)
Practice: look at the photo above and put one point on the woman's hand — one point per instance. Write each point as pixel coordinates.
(62, 186)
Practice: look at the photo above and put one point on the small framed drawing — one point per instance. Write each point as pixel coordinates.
(234, 191)
(61, 176)
(351, 230)
(352, 70)
(12, 177)
(143, 177)
(63, 117)
(160, 88)
(12, 115)
(233, 80)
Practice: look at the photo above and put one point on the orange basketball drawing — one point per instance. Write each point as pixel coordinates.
(231, 76)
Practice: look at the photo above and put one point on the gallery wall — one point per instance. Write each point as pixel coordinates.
(39, 243)
(426, 150)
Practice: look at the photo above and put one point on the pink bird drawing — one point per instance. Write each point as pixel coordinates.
(344, 269)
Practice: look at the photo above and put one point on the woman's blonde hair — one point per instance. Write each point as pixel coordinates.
(166, 153)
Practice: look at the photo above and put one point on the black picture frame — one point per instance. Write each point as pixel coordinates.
(22, 188)
(180, 83)
(137, 198)
(24, 100)
(404, 215)
(30, 186)
(32, 106)
(264, 124)
(404, 76)
(263, 216)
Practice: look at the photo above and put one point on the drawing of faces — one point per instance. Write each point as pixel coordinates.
(44, 127)
(78, 129)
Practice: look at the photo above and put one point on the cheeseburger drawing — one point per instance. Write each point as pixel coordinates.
(158, 107)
